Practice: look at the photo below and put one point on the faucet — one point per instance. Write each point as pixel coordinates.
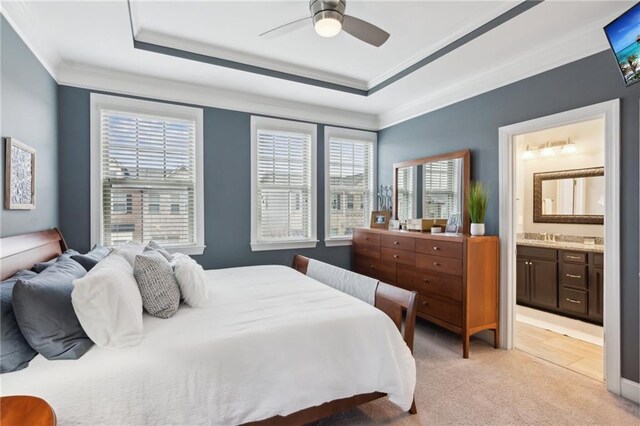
(549, 237)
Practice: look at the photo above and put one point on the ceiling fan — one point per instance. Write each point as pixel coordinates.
(329, 19)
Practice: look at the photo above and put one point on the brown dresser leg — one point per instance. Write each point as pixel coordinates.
(496, 338)
(413, 409)
(465, 346)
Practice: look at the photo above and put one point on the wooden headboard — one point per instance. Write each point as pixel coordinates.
(22, 251)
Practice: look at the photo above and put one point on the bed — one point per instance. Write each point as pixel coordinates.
(275, 347)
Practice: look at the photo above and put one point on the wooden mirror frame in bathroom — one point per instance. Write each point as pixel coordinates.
(465, 155)
(538, 178)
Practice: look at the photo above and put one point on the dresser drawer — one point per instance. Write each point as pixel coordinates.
(366, 250)
(435, 283)
(572, 300)
(574, 257)
(439, 248)
(440, 264)
(379, 270)
(366, 238)
(398, 243)
(573, 275)
(398, 256)
(537, 252)
(443, 310)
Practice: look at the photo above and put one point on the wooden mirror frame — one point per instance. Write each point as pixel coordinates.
(538, 178)
(466, 179)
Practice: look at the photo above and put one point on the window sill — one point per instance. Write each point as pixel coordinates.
(287, 245)
(190, 250)
(336, 242)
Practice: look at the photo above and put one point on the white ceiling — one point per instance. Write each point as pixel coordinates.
(88, 44)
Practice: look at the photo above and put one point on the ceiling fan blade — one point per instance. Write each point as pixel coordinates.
(286, 28)
(364, 31)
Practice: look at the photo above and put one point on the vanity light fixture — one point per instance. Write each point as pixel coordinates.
(550, 149)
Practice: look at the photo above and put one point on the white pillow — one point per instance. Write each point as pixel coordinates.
(108, 303)
(129, 251)
(190, 277)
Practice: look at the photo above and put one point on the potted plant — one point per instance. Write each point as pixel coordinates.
(477, 201)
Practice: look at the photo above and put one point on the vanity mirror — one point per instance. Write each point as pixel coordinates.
(569, 196)
(432, 187)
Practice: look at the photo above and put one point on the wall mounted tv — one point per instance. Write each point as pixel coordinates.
(624, 37)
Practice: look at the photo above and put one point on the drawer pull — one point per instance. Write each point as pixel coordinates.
(573, 300)
(573, 276)
(436, 263)
(425, 303)
(366, 238)
(396, 256)
(395, 243)
(574, 257)
(436, 248)
(372, 266)
(425, 280)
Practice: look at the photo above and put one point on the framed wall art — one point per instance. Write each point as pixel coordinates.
(20, 176)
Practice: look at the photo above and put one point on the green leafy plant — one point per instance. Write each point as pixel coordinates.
(477, 201)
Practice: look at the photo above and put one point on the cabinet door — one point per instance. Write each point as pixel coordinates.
(543, 283)
(522, 280)
(596, 292)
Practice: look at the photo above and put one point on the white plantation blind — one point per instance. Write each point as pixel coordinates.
(351, 185)
(406, 192)
(283, 188)
(441, 188)
(148, 179)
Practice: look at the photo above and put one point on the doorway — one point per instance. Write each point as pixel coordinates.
(509, 220)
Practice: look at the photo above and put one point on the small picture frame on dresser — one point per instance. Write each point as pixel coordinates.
(453, 224)
(380, 219)
(394, 224)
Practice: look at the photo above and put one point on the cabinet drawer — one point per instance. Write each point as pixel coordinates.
(574, 257)
(439, 248)
(366, 250)
(444, 285)
(364, 237)
(573, 275)
(443, 310)
(440, 264)
(398, 256)
(597, 259)
(574, 301)
(538, 252)
(399, 243)
(379, 270)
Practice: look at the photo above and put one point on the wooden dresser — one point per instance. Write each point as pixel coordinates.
(456, 277)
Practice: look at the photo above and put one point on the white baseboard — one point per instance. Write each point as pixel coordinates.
(580, 330)
(630, 390)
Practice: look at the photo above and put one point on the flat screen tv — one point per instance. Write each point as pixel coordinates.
(624, 37)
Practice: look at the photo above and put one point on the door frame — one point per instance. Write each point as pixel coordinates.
(610, 111)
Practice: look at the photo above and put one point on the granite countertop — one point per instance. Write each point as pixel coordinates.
(596, 248)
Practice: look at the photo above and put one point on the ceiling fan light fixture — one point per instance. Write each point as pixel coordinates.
(328, 27)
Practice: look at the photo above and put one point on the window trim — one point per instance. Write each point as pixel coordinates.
(287, 126)
(360, 135)
(137, 106)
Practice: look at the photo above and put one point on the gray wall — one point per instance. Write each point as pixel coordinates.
(227, 145)
(28, 97)
(474, 124)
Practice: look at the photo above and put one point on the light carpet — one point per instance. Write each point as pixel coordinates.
(493, 387)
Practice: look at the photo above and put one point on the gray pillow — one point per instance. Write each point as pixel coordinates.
(157, 247)
(41, 266)
(15, 351)
(158, 286)
(91, 259)
(42, 305)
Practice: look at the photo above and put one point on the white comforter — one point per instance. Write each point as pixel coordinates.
(273, 342)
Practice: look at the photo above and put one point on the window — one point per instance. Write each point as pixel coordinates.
(146, 173)
(406, 193)
(283, 184)
(350, 181)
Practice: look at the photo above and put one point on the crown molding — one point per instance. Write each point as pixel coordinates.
(117, 82)
(576, 45)
(19, 17)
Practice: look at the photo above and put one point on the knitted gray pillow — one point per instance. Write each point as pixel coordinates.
(158, 286)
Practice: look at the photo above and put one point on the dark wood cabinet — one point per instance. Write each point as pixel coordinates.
(564, 282)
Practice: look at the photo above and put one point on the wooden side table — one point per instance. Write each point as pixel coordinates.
(20, 410)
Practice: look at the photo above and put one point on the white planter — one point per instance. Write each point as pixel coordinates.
(477, 229)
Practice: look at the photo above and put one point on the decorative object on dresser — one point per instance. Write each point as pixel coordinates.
(564, 282)
(20, 176)
(385, 193)
(456, 277)
(380, 219)
(442, 181)
(477, 201)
